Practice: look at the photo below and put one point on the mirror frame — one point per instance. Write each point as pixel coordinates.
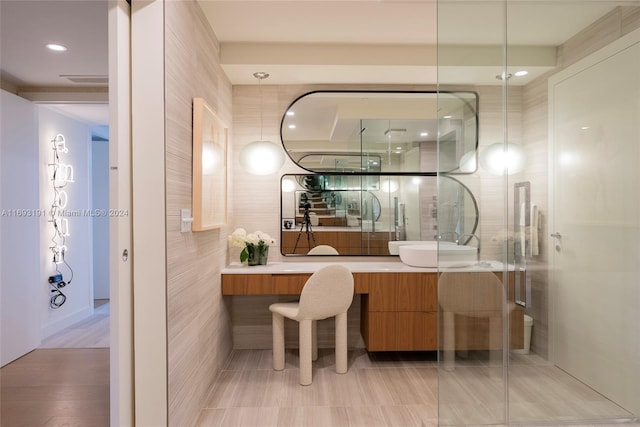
(455, 171)
(434, 175)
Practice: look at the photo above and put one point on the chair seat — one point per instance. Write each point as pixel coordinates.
(287, 309)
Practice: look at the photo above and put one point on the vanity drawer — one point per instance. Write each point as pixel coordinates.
(247, 284)
(403, 292)
(401, 331)
(279, 284)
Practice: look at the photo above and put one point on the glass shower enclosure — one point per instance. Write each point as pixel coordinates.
(544, 328)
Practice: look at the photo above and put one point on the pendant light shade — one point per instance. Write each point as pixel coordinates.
(498, 158)
(261, 157)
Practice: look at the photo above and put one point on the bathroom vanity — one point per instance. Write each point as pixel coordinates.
(399, 303)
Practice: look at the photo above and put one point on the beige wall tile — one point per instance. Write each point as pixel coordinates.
(199, 337)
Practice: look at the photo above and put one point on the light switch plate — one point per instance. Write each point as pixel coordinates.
(185, 220)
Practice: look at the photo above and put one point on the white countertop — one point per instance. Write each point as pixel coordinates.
(355, 267)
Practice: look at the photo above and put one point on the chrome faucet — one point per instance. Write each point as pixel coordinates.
(461, 241)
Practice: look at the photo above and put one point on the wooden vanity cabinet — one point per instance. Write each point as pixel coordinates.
(278, 284)
(400, 312)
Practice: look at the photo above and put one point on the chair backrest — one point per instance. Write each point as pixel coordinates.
(323, 250)
(329, 291)
(475, 294)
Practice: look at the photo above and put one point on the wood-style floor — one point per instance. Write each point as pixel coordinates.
(70, 387)
(56, 388)
(92, 332)
(396, 389)
(65, 382)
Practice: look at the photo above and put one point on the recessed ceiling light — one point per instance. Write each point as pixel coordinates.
(292, 126)
(584, 127)
(424, 133)
(447, 117)
(56, 47)
(504, 76)
(291, 113)
(398, 148)
(521, 73)
(398, 152)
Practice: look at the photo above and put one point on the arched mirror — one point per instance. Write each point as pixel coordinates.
(360, 214)
(382, 131)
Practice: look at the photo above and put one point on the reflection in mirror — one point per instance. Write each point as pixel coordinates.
(378, 132)
(360, 214)
(345, 163)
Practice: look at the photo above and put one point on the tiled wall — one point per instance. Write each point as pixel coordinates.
(199, 339)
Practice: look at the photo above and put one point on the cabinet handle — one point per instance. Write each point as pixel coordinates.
(556, 235)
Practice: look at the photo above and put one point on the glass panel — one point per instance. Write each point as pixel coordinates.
(375, 131)
(577, 241)
(476, 303)
(360, 214)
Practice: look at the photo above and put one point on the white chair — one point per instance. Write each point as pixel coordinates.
(327, 293)
(472, 294)
(323, 250)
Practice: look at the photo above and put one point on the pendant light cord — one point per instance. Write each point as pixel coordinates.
(261, 75)
(261, 107)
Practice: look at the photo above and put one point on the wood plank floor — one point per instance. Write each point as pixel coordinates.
(63, 383)
(92, 332)
(55, 388)
(70, 387)
(396, 389)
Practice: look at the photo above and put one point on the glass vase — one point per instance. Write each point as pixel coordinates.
(257, 255)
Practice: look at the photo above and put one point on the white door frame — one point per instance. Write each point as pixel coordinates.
(149, 213)
(120, 288)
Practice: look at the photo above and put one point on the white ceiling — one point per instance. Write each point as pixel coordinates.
(386, 41)
(26, 26)
(306, 41)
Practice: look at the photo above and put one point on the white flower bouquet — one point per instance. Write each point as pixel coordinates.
(255, 246)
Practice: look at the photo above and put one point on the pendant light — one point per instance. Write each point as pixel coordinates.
(499, 158)
(261, 157)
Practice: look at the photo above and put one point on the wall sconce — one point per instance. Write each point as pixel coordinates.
(288, 185)
(498, 158)
(261, 157)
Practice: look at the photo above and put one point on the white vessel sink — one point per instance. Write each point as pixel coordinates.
(450, 255)
(394, 245)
